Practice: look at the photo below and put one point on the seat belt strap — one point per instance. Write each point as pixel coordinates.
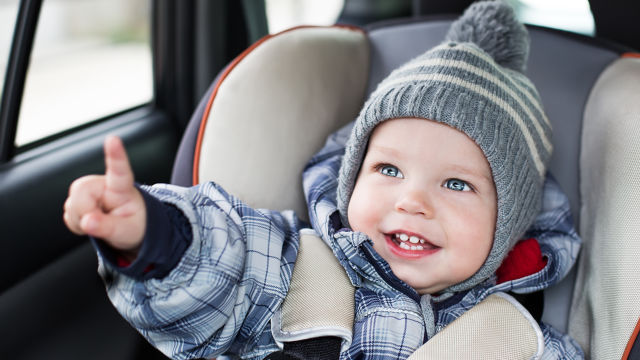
(320, 348)
(499, 327)
(320, 300)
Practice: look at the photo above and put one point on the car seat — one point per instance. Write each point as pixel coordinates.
(288, 91)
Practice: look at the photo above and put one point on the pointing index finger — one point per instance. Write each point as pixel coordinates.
(119, 176)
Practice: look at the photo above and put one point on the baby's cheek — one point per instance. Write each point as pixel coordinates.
(476, 234)
(365, 222)
(379, 244)
(479, 251)
(356, 211)
(358, 219)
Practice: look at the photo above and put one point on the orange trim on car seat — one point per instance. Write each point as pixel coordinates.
(632, 340)
(232, 65)
(631, 55)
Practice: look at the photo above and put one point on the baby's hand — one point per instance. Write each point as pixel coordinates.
(108, 206)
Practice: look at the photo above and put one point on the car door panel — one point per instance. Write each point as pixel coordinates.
(50, 290)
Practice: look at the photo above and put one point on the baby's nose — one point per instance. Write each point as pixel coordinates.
(415, 202)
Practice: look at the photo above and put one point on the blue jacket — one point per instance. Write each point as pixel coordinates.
(229, 267)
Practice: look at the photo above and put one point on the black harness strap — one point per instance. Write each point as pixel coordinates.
(320, 348)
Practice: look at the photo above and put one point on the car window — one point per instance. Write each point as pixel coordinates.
(283, 14)
(569, 15)
(90, 59)
(8, 15)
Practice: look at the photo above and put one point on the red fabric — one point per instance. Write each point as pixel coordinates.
(122, 262)
(524, 259)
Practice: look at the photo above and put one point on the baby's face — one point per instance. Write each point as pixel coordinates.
(426, 198)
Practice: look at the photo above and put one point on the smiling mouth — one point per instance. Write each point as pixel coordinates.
(411, 242)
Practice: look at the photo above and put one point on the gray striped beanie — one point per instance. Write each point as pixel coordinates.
(473, 82)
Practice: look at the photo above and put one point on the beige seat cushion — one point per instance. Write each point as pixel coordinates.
(274, 109)
(497, 328)
(606, 302)
(320, 301)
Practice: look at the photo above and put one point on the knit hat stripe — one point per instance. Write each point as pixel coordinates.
(514, 77)
(436, 64)
(508, 82)
(524, 82)
(480, 90)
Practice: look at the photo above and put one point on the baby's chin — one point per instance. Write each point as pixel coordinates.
(419, 284)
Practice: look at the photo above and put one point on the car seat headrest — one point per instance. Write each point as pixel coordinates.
(274, 106)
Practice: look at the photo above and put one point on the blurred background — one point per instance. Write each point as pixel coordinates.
(80, 43)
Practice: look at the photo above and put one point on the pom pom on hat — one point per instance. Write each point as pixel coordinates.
(493, 27)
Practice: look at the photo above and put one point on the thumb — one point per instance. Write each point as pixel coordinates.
(121, 234)
(97, 224)
(118, 173)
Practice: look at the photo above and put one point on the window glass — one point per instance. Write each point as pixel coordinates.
(283, 14)
(8, 15)
(90, 59)
(569, 15)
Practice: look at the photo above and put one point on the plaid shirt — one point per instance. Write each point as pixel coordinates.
(221, 295)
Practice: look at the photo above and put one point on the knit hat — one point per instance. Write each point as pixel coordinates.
(473, 82)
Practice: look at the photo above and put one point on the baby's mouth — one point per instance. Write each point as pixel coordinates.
(411, 242)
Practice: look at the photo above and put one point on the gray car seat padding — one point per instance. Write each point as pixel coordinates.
(274, 107)
(320, 300)
(606, 305)
(565, 70)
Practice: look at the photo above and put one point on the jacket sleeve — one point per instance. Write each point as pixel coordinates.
(221, 294)
(167, 237)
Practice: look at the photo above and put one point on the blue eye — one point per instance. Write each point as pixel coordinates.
(390, 170)
(457, 185)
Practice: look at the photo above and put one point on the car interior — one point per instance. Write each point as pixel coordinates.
(220, 79)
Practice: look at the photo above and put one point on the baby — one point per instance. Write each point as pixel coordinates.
(443, 174)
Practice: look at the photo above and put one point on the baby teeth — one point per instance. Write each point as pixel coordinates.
(407, 242)
(411, 239)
